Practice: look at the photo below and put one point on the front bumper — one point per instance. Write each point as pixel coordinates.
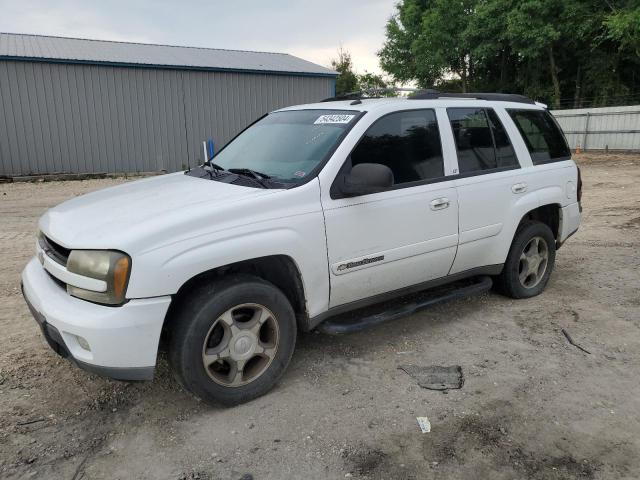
(123, 340)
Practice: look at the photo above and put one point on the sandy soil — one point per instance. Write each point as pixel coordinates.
(532, 405)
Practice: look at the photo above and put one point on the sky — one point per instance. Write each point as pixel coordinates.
(313, 30)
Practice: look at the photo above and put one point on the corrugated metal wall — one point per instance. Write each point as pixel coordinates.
(615, 128)
(93, 119)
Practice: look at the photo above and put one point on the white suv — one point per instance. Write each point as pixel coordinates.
(311, 211)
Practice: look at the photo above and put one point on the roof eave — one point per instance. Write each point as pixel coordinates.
(328, 73)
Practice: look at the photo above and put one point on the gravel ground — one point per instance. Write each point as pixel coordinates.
(532, 406)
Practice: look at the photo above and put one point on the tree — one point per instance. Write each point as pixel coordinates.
(347, 80)
(534, 29)
(426, 42)
(623, 27)
(489, 47)
(371, 81)
(570, 52)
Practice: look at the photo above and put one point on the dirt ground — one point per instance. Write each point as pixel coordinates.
(532, 405)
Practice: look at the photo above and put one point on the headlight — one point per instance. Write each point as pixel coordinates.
(112, 267)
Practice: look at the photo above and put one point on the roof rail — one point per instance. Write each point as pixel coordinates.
(344, 96)
(430, 94)
(369, 93)
(499, 97)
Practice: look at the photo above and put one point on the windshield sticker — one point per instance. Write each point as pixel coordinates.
(299, 174)
(333, 119)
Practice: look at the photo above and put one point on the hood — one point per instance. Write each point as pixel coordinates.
(120, 217)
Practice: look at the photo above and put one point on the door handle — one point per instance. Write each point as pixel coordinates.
(519, 187)
(439, 203)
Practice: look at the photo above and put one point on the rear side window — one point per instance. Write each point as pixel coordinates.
(406, 142)
(481, 141)
(542, 135)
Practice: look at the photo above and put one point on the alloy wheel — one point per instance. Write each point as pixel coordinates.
(533, 262)
(240, 345)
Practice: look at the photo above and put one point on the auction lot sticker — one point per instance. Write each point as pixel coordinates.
(333, 119)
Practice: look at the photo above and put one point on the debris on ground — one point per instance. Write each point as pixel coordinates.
(570, 340)
(29, 422)
(194, 475)
(436, 377)
(424, 424)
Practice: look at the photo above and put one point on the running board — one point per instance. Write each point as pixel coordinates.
(350, 323)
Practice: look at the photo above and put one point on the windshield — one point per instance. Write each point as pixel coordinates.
(287, 146)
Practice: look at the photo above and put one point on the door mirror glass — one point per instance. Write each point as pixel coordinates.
(366, 178)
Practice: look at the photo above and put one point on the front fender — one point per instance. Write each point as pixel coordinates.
(290, 223)
(163, 271)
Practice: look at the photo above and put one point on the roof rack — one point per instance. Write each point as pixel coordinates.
(430, 94)
(344, 96)
(369, 93)
(499, 97)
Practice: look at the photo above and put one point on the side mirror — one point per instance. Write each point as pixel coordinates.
(366, 178)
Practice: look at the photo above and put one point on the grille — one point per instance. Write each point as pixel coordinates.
(55, 251)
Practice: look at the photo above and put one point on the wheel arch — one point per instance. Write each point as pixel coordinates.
(550, 214)
(280, 270)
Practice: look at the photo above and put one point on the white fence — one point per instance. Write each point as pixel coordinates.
(607, 128)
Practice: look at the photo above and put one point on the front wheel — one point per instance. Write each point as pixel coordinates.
(529, 263)
(232, 340)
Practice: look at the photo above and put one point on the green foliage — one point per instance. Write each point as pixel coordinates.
(566, 53)
(623, 27)
(347, 80)
(371, 81)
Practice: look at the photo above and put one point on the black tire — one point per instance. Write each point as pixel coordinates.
(193, 322)
(509, 282)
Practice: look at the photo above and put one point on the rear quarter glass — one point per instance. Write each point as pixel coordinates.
(542, 135)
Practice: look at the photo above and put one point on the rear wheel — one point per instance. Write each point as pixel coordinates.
(231, 341)
(529, 263)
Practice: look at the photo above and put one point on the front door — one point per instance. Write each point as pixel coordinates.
(405, 235)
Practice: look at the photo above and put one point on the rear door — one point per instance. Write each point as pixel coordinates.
(489, 183)
(404, 236)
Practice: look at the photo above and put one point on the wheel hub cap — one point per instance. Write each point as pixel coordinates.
(240, 345)
(243, 346)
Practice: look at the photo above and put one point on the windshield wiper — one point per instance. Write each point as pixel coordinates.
(212, 166)
(253, 173)
(214, 170)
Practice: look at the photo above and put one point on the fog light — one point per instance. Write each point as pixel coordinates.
(83, 343)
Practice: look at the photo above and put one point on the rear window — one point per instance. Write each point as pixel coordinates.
(542, 135)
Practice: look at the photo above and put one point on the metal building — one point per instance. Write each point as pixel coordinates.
(89, 106)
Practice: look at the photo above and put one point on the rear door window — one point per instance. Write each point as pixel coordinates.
(481, 141)
(542, 135)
